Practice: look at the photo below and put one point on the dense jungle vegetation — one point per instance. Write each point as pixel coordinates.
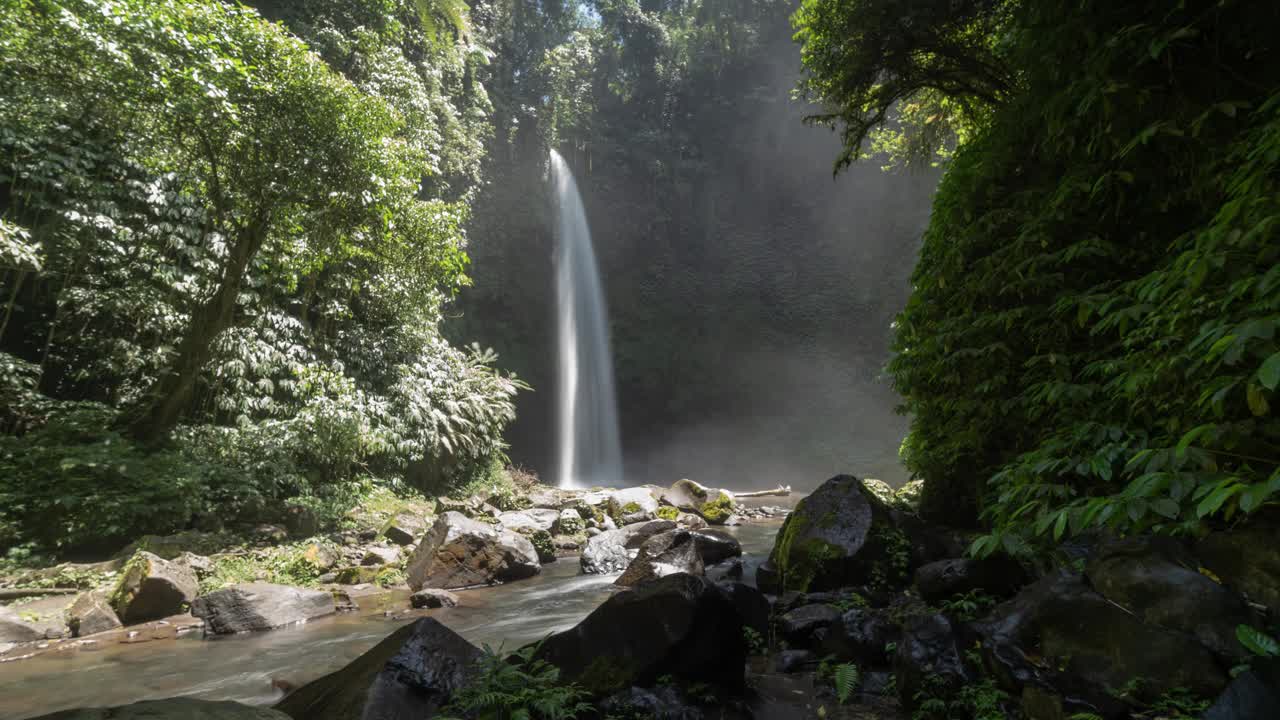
(1091, 336)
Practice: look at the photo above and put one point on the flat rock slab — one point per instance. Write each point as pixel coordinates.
(260, 606)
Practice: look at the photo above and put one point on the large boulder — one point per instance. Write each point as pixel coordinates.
(841, 535)
(405, 528)
(667, 553)
(1253, 695)
(529, 520)
(806, 626)
(712, 504)
(182, 708)
(151, 588)
(410, 675)
(751, 605)
(1158, 580)
(999, 576)
(461, 552)
(260, 606)
(716, 546)
(1086, 646)
(612, 550)
(91, 613)
(1247, 560)
(680, 626)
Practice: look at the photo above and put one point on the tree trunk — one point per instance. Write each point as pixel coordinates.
(171, 395)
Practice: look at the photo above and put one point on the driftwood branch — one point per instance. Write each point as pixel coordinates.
(780, 491)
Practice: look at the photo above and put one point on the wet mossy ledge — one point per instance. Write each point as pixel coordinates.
(387, 541)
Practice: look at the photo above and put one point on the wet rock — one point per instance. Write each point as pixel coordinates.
(793, 661)
(659, 703)
(806, 626)
(1158, 580)
(91, 613)
(260, 606)
(172, 709)
(1088, 647)
(380, 556)
(151, 588)
(1253, 695)
(408, 676)
(569, 522)
(861, 635)
(730, 569)
(301, 521)
(529, 520)
(433, 598)
(716, 546)
(840, 535)
(612, 550)
(461, 552)
(405, 528)
(680, 625)
(999, 576)
(712, 504)
(928, 661)
(632, 505)
(667, 553)
(750, 604)
(1247, 560)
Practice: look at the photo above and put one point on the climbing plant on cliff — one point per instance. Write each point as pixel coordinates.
(1091, 338)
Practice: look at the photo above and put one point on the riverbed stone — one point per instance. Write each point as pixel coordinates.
(172, 709)
(433, 598)
(712, 504)
(380, 556)
(151, 588)
(405, 528)
(410, 675)
(460, 552)
(716, 546)
(679, 625)
(529, 520)
(632, 505)
(612, 550)
(841, 535)
(260, 606)
(667, 553)
(91, 613)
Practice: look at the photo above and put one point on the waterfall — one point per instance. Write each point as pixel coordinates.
(589, 451)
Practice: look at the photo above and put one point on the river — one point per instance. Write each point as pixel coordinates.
(242, 667)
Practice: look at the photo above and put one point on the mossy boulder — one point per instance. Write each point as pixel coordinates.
(713, 505)
(358, 574)
(151, 588)
(839, 536)
(667, 512)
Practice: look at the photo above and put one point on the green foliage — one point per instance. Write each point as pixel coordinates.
(975, 701)
(1257, 642)
(756, 644)
(1090, 341)
(517, 687)
(844, 678)
(850, 602)
(968, 606)
(293, 564)
(1179, 704)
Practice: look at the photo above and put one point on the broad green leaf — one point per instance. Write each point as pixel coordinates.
(1257, 642)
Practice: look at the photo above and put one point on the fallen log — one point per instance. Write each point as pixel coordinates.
(780, 491)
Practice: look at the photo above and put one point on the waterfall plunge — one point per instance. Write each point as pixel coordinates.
(589, 450)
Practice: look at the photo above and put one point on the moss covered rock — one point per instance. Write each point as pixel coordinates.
(840, 535)
(713, 505)
(151, 588)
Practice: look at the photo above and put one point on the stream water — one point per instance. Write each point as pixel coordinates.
(242, 667)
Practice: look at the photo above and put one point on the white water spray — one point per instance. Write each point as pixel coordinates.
(589, 450)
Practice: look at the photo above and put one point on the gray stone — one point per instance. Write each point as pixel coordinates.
(380, 556)
(529, 520)
(667, 553)
(612, 550)
(152, 588)
(716, 546)
(433, 598)
(410, 675)
(260, 606)
(405, 528)
(461, 552)
(91, 613)
(806, 626)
